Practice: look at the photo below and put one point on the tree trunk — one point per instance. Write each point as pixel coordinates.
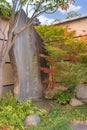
(1, 84)
(15, 72)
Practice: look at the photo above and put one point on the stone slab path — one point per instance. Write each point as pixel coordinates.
(79, 126)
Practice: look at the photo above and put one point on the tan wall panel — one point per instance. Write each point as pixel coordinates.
(7, 74)
(4, 25)
(79, 25)
(3, 50)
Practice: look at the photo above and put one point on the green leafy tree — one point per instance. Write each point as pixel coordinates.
(38, 7)
(5, 8)
(64, 55)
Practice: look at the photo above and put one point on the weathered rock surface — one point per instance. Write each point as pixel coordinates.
(32, 120)
(24, 57)
(81, 92)
(75, 102)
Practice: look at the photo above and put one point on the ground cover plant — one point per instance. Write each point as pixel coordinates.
(14, 112)
(61, 118)
(65, 96)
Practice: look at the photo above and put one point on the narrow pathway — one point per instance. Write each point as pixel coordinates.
(46, 104)
(49, 105)
(79, 126)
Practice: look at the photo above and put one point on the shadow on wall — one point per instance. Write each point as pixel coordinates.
(8, 88)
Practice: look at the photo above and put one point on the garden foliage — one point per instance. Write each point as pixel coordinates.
(66, 56)
(61, 118)
(5, 8)
(14, 112)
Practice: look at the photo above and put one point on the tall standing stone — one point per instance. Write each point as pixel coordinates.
(25, 61)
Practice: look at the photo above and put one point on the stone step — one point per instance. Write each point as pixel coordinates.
(79, 126)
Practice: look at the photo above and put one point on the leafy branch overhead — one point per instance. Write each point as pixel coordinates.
(5, 8)
(37, 7)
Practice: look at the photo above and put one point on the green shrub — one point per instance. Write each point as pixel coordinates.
(13, 112)
(65, 97)
(64, 55)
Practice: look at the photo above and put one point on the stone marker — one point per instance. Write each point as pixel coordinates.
(25, 62)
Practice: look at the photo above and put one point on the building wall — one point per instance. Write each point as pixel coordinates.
(79, 25)
(7, 68)
(4, 26)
